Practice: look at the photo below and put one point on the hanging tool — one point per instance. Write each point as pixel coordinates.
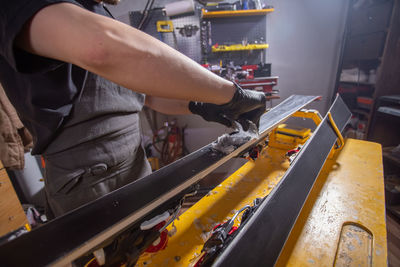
(145, 14)
(188, 30)
(205, 37)
(165, 26)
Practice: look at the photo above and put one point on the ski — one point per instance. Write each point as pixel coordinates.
(263, 236)
(70, 236)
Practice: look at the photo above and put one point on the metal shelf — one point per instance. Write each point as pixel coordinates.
(238, 47)
(390, 110)
(235, 13)
(391, 98)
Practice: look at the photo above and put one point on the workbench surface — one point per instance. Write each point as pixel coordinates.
(342, 222)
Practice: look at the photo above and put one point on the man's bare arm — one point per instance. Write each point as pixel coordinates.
(168, 106)
(121, 54)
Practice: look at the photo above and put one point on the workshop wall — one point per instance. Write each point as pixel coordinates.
(305, 39)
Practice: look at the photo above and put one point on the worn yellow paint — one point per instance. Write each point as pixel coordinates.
(253, 179)
(309, 114)
(285, 137)
(288, 137)
(349, 190)
(355, 246)
(340, 139)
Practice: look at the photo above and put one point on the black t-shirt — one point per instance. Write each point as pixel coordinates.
(41, 89)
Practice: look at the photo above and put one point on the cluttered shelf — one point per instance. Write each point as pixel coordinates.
(357, 89)
(234, 52)
(235, 13)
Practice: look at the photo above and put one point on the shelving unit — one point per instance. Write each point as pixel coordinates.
(237, 36)
(237, 31)
(372, 31)
(234, 42)
(235, 13)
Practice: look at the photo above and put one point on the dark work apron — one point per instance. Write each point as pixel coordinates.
(99, 148)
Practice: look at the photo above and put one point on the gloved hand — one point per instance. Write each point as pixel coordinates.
(245, 106)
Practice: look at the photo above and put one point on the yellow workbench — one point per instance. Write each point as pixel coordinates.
(342, 222)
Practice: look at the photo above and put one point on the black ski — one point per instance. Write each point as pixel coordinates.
(260, 241)
(68, 237)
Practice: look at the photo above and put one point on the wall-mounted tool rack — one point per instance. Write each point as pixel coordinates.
(233, 42)
(240, 34)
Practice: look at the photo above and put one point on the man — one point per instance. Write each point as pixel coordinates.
(65, 66)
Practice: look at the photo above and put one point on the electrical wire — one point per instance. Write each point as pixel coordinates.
(148, 14)
(143, 15)
(147, 8)
(168, 142)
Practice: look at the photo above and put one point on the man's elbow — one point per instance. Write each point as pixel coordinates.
(96, 55)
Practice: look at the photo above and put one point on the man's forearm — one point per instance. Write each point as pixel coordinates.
(168, 106)
(121, 54)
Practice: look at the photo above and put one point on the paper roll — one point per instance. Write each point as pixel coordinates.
(178, 8)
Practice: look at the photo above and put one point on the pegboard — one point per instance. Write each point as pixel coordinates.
(231, 30)
(190, 46)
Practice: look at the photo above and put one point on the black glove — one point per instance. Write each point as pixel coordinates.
(245, 106)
